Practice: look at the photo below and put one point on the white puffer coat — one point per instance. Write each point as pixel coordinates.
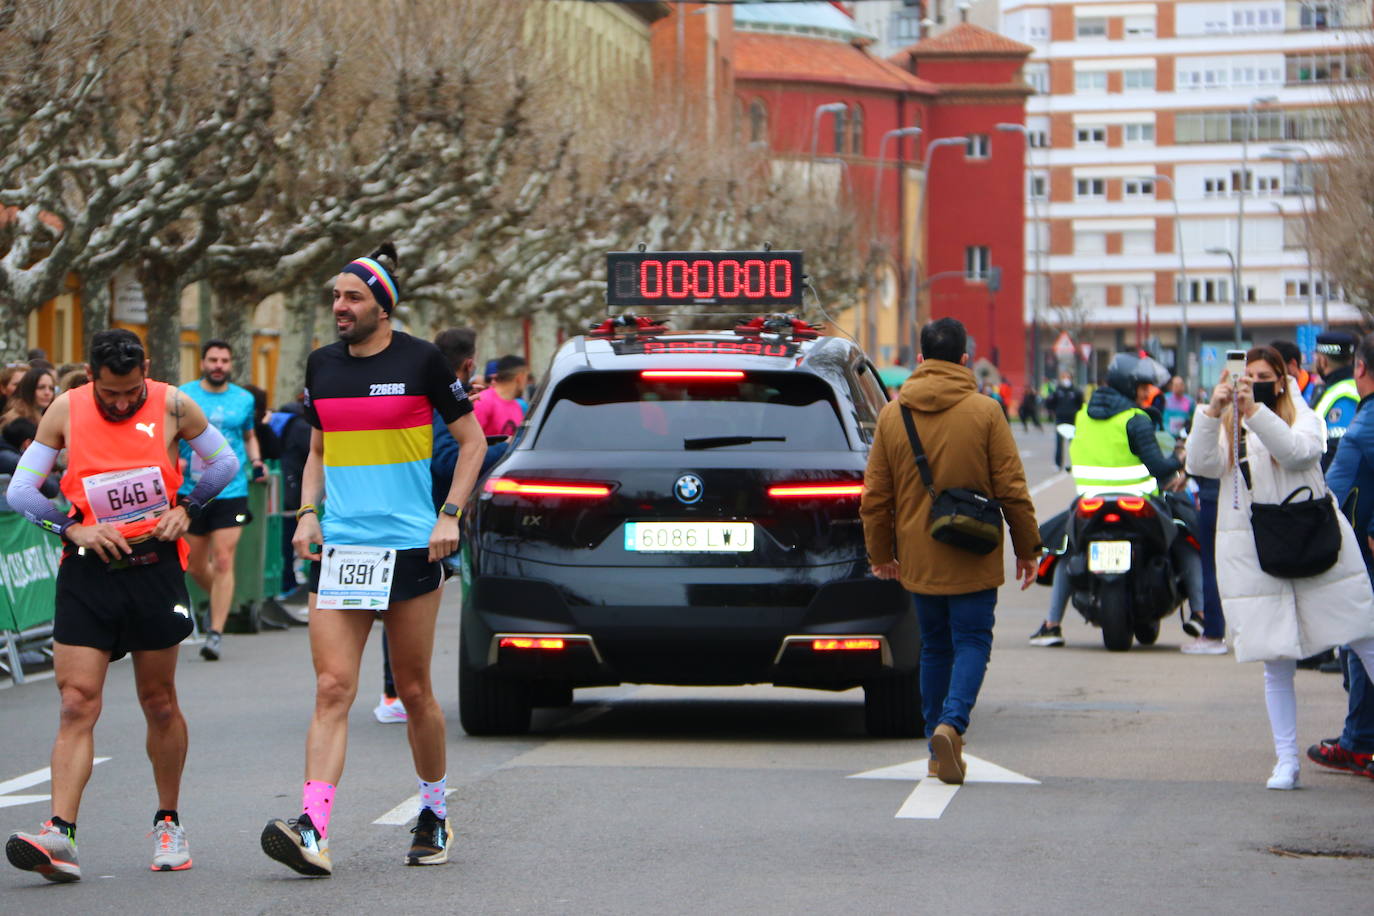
(1271, 618)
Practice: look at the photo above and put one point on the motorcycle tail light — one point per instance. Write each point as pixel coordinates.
(1088, 505)
(1136, 505)
(1111, 517)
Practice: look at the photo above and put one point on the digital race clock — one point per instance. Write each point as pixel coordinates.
(749, 278)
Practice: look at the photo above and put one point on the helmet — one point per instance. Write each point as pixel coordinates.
(1126, 372)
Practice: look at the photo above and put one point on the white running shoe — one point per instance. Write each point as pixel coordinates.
(50, 852)
(171, 852)
(1285, 775)
(390, 711)
(1204, 646)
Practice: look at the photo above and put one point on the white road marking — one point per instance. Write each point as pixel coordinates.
(37, 777)
(931, 797)
(403, 813)
(1044, 485)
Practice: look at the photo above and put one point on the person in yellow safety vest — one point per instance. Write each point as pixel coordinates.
(1114, 450)
(1340, 398)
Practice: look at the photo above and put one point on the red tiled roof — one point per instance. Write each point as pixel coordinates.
(964, 40)
(800, 58)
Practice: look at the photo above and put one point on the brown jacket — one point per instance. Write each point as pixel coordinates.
(969, 444)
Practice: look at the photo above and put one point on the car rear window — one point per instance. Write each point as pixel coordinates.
(771, 411)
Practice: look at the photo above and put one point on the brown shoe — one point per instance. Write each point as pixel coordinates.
(946, 752)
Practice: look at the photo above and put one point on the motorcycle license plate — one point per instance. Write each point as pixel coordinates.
(1109, 556)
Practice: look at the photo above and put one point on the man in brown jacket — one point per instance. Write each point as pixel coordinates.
(968, 443)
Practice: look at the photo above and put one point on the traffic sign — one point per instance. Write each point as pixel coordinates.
(1307, 340)
(1063, 346)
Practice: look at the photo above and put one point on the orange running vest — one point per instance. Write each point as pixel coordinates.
(98, 450)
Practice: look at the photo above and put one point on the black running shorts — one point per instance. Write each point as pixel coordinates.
(136, 608)
(222, 513)
(414, 575)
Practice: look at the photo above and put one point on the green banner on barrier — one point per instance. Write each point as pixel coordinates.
(28, 573)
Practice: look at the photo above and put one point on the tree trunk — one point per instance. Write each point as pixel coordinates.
(95, 309)
(297, 340)
(162, 292)
(14, 332)
(231, 318)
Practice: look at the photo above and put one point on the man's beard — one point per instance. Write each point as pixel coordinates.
(216, 376)
(361, 330)
(116, 416)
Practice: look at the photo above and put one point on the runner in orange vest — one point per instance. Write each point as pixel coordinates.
(121, 585)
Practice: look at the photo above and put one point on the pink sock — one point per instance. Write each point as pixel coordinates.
(317, 800)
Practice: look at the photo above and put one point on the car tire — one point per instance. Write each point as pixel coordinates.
(892, 706)
(491, 705)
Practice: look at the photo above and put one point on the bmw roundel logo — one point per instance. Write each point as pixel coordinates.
(688, 489)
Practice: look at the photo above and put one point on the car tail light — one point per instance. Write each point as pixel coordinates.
(546, 643)
(692, 375)
(844, 490)
(554, 488)
(1089, 505)
(846, 645)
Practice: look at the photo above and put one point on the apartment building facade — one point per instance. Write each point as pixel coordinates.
(1170, 153)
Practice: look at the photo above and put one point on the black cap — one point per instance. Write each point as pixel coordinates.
(1339, 344)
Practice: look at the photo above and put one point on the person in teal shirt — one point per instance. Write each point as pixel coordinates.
(214, 536)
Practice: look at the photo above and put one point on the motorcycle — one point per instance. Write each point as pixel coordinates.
(1118, 548)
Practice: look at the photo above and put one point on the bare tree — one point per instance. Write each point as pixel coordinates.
(1343, 225)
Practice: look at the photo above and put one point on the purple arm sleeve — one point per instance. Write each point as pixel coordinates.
(221, 464)
(24, 495)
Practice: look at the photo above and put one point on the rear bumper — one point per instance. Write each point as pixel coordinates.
(691, 644)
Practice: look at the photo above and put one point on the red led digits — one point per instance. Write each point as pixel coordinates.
(651, 279)
(728, 272)
(703, 279)
(779, 279)
(678, 285)
(755, 284)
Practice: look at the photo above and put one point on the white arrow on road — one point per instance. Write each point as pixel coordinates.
(931, 797)
(23, 782)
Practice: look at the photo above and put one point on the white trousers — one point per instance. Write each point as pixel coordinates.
(1282, 701)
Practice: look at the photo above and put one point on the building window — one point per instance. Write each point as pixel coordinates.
(1090, 243)
(1137, 80)
(1090, 188)
(758, 123)
(1138, 133)
(1091, 27)
(1138, 241)
(1090, 295)
(1298, 177)
(1138, 187)
(1037, 185)
(1214, 187)
(908, 25)
(856, 130)
(1205, 289)
(1320, 16)
(1323, 68)
(1231, 126)
(1038, 139)
(979, 146)
(1037, 76)
(841, 133)
(977, 262)
(1090, 136)
(1090, 81)
(1140, 26)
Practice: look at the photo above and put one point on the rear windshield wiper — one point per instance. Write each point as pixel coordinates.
(721, 441)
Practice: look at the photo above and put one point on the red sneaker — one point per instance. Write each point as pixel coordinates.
(1335, 757)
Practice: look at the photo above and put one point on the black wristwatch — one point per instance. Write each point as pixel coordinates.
(193, 511)
(451, 510)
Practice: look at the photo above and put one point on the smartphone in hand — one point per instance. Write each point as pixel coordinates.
(1235, 364)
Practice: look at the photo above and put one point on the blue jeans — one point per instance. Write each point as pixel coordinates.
(1214, 626)
(956, 640)
(1358, 735)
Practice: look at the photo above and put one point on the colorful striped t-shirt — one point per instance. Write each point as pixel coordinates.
(374, 412)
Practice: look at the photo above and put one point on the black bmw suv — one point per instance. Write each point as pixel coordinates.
(683, 508)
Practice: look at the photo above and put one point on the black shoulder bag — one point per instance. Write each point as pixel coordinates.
(1296, 538)
(960, 518)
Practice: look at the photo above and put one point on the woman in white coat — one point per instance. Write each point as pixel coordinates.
(1276, 621)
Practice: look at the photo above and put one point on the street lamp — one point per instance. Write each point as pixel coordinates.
(1235, 286)
(1288, 154)
(1251, 122)
(878, 175)
(1033, 343)
(832, 108)
(1182, 274)
(916, 255)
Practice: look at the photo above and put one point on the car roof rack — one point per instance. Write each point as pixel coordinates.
(632, 325)
(783, 324)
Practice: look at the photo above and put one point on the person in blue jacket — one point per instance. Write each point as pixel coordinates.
(1351, 479)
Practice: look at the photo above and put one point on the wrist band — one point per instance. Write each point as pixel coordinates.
(304, 511)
